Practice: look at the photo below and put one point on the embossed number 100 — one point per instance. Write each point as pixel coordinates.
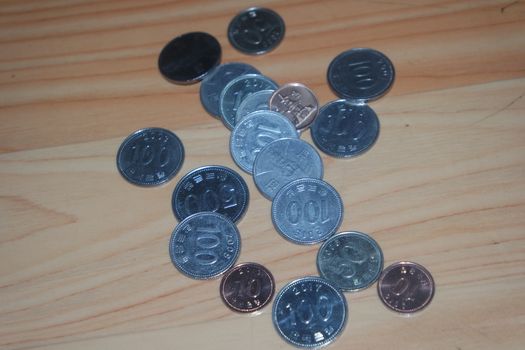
(145, 155)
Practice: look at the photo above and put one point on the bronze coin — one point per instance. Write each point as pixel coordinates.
(297, 103)
(406, 287)
(247, 287)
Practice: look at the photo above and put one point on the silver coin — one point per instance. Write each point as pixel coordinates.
(254, 132)
(361, 74)
(343, 129)
(258, 101)
(217, 79)
(237, 90)
(282, 161)
(150, 157)
(204, 245)
(211, 188)
(309, 312)
(350, 260)
(307, 211)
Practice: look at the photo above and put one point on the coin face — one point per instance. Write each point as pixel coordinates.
(258, 101)
(297, 103)
(256, 31)
(150, 157)
(204, 245)
(217, 79)
(307, 211)
(211, 188)
(283, 161)
(343, 129)
(406, 287)
(309, 312)
(361, 74)
(237, 90)
(254, 132)
(247, 287)
(189, 57)
(350, 260)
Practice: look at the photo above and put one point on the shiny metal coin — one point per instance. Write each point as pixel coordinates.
(258, 101)
(204, 245)
(237, 90)
(282, 161)
(247, 287)
(352, 261)
(211, 188)
(361, 74)
(343, 129)
(150, 157)
(256, 31)
(189, 57)
(406, 287)
(309, 312)
(254, 132)
(213, 84)
(297, 103)
(307, 211)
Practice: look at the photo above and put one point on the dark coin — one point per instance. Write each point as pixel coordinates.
(343, 129)
(406, 287)
(361, 74)
(211, 188)
(150, 157)
(189, 57)
(256, 31)
(247, 287)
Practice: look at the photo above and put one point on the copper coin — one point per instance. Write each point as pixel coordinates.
(297, 103)
(406, 287)
(247, 287)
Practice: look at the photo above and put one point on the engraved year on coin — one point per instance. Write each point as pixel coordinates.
(297, 103)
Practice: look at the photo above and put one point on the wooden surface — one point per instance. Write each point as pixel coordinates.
(84, 255)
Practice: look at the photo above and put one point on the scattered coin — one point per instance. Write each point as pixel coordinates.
(297, 103)
(283, 161)
(254, 132)
(211, 188)
(204, 245)
(256, 31)
(343, 129)
(189, 57)
(309, 312)
(350, 260)
(213, 84)
(247, 287)
(406, 287)
(150, 157)
(361, 74)
(237, 90)
(307, 211)
(258, 101)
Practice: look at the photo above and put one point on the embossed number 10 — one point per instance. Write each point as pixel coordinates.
(247, 288)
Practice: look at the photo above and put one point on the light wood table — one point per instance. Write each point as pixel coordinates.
(84, 254)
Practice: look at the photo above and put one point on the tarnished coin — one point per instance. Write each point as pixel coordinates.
(213, 84)
(256, 31)
(297, 103)
(189, 57)
(254, 132)
(247, 287)
(282, 161)
(361, 74)
(343, 129)
(258, 101)
(307, 211)
(150, 157)
(309, 312)
(204, 245)
(211, 188)
(350, 260)
(237, 90)
(406, 287)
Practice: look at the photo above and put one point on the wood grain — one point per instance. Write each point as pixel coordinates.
(83, 254)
